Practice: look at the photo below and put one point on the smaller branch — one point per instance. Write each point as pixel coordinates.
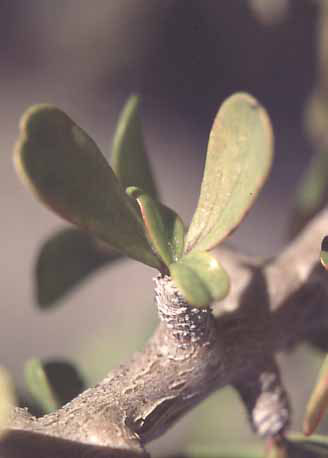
(265, 400)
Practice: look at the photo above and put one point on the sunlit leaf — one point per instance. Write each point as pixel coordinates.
(65, 260)
(318, 403)
(37, 382)
(129, 158)
(7, 398)
(324, 252)
(164, 228)
(200, 278)
(66, 170)
(238, 161)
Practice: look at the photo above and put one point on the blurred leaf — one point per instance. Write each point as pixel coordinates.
(324, 252)
(39, 386)
(164, 228)
(269, 11)
(129, 158)
(238, 161)
(53, 383)
(200, 278)
(66, 381)
(223, 451)
(300, 447)
(318, 402)
(7, 398)
(312, 193)
(66, 170)
(65, 260)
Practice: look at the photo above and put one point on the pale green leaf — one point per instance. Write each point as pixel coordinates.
(129, 158)
(200, 278)
(164, 228)
(66, 170)
(238, 161)
(65, 260)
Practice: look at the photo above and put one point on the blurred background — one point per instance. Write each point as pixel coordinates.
(183, 58)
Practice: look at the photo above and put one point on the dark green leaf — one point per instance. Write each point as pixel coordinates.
(65, 260)
(66, 170)
(238, 161)
(7, 398)
(66, 381)
(164, 228)
(129, 158)
(200, 278)
(318, 403)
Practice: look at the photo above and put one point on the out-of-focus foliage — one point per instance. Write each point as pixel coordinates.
(53, 383)
(65, 260)
(312, 192)
(318, 403)
(269, 11)
(7, 398)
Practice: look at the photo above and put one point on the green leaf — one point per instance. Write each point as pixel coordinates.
(39, 386)
(7, 398)
(129, 158)
(324, 252)
(52, 384)
(66, 170)
(318, 403)
(200, 278)
(164, 228)
(64, 261)
(238, 161)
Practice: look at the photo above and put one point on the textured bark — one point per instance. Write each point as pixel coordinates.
(271, 308)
